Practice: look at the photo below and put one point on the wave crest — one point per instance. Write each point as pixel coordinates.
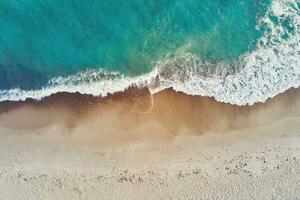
(272, 68)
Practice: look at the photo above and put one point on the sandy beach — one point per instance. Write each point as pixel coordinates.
(149, 99)
(133, 145)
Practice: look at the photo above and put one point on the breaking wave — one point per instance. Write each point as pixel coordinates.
(271, 68)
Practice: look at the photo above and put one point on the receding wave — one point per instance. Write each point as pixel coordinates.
(271, 68)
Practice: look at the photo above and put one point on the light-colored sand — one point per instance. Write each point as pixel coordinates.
(186, 148)
(260, 163)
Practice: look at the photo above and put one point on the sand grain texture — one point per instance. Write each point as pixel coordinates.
(130, 147)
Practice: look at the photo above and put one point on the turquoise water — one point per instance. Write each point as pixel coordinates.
(40, 40)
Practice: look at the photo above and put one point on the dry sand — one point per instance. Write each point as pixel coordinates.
(136, 146)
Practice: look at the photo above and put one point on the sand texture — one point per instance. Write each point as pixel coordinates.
(137, 146)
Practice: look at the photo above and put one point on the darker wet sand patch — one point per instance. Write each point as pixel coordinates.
(137, 115)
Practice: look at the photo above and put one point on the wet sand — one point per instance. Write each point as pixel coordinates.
(175, 113)
(136, 145)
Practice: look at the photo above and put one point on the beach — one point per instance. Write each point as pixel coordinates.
(151, 99)
(134, 145)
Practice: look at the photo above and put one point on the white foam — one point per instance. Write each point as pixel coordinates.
(83, 83)
(267, 71)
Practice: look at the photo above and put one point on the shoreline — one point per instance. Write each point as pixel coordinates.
(70, 146)
(137, 106)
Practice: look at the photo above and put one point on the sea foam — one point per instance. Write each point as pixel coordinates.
(271, 68)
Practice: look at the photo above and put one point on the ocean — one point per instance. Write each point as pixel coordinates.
(237, 51)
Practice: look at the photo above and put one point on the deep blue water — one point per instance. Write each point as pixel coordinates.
(40, 40)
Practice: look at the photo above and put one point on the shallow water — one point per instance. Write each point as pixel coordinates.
(92, 46)
(44, 39)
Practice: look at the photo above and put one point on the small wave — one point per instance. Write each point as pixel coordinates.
(93, 82)
(267, 71)
(272, 68)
